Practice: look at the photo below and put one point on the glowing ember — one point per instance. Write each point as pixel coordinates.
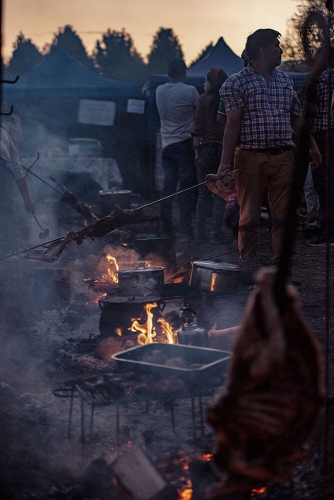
(147, 332)
(186, 494)
(259, 491)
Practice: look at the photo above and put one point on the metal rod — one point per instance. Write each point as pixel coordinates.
(82, 422)
(91, 422)
(171, 196)
(40, 179)
(32, 248)
(70, 415)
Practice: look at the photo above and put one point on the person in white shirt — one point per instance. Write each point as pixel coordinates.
(176, 103)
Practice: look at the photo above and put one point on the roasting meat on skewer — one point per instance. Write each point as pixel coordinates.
(97, 229)
(222, 184)
(273, 396)
(83, 208)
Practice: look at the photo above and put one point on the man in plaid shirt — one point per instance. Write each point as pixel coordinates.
(262, 112)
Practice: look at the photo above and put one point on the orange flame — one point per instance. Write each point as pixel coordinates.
(168, 331)
(186, 494)
(112, 273)
(258, 491)
(147, 331)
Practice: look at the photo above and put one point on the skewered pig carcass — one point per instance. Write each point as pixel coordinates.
(273, 396)
(97, 229)
(72, 201)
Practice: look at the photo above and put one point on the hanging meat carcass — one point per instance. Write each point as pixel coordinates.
(273, 396)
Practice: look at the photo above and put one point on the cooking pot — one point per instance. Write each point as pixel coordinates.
(162, 246)
(141, 278)
(111, 197)
(212, 276)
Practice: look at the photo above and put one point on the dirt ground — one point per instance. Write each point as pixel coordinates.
(37, 459)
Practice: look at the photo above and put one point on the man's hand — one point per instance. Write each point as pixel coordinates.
(316, 158)
(222, 167)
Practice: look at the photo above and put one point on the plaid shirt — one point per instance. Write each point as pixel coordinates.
(324, 99)
(267, 109)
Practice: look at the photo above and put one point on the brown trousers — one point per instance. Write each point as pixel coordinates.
(258, 173)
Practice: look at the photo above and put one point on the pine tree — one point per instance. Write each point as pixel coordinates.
(116, 57)
(165, 46)
(25, 57)
(71, 43)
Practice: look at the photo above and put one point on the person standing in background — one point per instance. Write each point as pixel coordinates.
(262, 112)
(208, 137)
(176, 103)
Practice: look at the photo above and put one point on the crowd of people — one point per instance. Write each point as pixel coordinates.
(249, 122)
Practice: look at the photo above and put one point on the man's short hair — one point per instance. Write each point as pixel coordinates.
(176, 67)
(260, 39)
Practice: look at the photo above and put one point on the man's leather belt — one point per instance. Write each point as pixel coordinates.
(270, 151)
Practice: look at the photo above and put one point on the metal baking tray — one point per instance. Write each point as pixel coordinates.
(194, 364)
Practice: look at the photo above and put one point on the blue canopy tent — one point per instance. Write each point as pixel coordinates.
(59, 75)
(47, 100)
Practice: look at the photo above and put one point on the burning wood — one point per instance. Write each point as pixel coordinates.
(139, 476)
(274, 394)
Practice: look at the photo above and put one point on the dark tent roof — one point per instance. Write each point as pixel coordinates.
(220, 56)
(60, 75)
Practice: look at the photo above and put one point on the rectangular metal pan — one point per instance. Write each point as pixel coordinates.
(193, 364)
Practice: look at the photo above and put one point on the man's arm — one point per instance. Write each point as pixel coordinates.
(296, 124)
(231, 138)
(28, 204)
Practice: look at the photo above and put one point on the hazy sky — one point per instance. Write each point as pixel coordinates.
(196, 23)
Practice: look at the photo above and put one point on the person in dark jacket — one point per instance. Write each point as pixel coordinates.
(208, 137)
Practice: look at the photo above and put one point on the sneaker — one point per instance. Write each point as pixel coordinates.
(320, 242)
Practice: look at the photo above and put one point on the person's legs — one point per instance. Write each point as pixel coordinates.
(188, 178)
(251, 185)
(280, 175)
(203, 163)
(170, 166)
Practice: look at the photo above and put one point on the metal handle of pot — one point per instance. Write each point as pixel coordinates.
(141, 266)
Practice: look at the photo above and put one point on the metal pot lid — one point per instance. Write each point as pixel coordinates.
(216, 266)
(140, 269)
(105, 192)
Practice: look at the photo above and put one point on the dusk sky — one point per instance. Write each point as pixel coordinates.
(195, 23)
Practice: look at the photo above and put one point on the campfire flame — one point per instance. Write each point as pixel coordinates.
(168, 331)
(112, 273)
(147, 331)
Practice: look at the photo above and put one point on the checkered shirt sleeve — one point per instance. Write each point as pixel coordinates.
(267, 109)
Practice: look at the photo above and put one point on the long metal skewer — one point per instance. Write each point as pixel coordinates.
(137, 209)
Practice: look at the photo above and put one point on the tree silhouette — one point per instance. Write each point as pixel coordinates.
(115, 56)
(71, 43)
(292, 40)
(25, 57)
(165, 47)
(205, 52)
